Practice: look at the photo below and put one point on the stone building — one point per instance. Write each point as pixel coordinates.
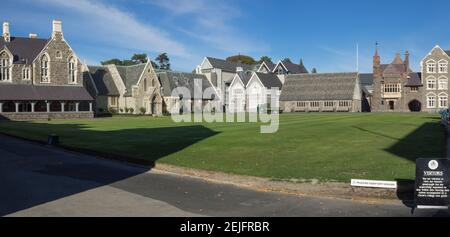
(396, 88)
(42, 78)
(133, 89)
(435, 76)
(284, 68)
(322, 92)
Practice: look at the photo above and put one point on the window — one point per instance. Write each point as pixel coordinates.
(431, 83)
(443, 66)
(58, 54)
(392, 88)
(314, 104)
(5, 67)
(443, 83)
(113, 101)
(145, 84)
(328, 104)
(431, 101)
(45, 69)
(431, 67)
(414, 89)
(280, 70)
(301, 104)
(72, 70)
(443, 101)
(26, 73)
(344, 103)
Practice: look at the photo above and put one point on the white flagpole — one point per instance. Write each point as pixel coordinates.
(357, 57)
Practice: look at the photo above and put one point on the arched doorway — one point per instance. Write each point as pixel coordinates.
(415, 106)
(153, 104)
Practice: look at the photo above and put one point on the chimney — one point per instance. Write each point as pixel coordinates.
(6, 34)
(239, 67)
(57, 28)
(33, 36)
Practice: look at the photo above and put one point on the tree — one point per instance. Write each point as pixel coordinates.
(287, 60)
(241, 58)
(114, 61)
(265, 59)
(163, 61)
(139, 58)
(314, 70)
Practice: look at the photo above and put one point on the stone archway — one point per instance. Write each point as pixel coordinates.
(156, 105)
(415, 106)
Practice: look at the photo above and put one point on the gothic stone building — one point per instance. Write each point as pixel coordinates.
(396, 88)
(41, 78)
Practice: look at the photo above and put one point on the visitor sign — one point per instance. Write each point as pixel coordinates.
(432, 183)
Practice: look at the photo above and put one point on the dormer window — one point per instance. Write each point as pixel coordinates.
(431, 67)
(5, 67)
(280, 71)
(45, 69)
(72, 70)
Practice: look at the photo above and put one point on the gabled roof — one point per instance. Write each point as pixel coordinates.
(366, 79)
(414, 79)
(103, 81)
(269, 65)
(24, 50)
(228, 66)
(320, 86)
(269, 80)
(170, 81)
(131, 75)
(293, 68)
(245, 76)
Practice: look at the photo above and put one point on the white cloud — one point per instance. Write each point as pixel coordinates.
(213, 24)
(105, 23)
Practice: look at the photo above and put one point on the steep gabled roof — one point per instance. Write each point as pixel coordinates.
(131, 75)
(24, 50)
(170, 81)
(269, 65)
(320, 86)
(228, 66)
(269, 80)
(293, 68)
(414, 79)
(366, 78)
(245, 76)
(103, 81)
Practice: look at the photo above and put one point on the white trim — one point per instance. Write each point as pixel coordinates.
(11, 63)
(276, 66)
(48, 69)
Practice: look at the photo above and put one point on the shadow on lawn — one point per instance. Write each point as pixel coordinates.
(49, 174)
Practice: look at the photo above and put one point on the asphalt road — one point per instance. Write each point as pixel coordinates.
(37, 180)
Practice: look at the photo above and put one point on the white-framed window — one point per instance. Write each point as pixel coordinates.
(328, 104)
(443, 100)
(113, 100)
(314, 104)
(443, 66)
(392, 88)
(414, 89)
(26, 73)
(431, 101)
(280, 71)
(344, 103)
(431, 66)
(301, 104)
(443, 83)
(45, 69)
(72, 70)
(5, 66)
(431, 83)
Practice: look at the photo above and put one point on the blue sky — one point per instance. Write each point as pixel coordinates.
(322, 32)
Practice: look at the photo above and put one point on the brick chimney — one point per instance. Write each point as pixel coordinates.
(57, 28)
(6, 35)
(407, 60)
(32, 36)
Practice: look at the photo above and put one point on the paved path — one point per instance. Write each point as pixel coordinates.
(37, 180)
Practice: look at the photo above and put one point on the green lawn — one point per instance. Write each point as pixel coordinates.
(329, 147)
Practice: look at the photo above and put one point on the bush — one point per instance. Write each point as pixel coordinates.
(142, 110)
(101, 110)
(127, 110)
(121, 110)
(112, 110)
(131, 110)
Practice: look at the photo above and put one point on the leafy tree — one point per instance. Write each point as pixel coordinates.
(314, 70)
(241, 58)
(163, 61)
(114, 61)
(128, 63)
(139, 58)
(287, 60)
(265, 59)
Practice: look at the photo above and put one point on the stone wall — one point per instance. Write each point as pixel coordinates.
(45, 116)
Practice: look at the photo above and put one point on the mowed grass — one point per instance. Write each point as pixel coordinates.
(328, 147)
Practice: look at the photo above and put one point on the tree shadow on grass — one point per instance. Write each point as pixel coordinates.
(47, 174)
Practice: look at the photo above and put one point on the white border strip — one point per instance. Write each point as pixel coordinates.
(374, 184)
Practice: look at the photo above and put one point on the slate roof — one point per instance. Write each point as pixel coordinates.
(447, 52)
(245, 76)
(270, 65)
(366, 78)
(414, 79)
(323, 86)
(228, 66)
(171, 80)
(294, 68)
(24, 50)
(103, 81)
(269, 80)
(131, 75)
(31, 92)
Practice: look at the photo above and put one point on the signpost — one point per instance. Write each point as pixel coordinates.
(432, 184)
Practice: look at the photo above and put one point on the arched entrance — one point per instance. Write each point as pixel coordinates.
(415, 106)
(153, 105)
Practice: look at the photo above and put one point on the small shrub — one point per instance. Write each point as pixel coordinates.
(121, 110)
(127, 110)
(101, 110)
(142, 110)
(112, 110)
(131, 110)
